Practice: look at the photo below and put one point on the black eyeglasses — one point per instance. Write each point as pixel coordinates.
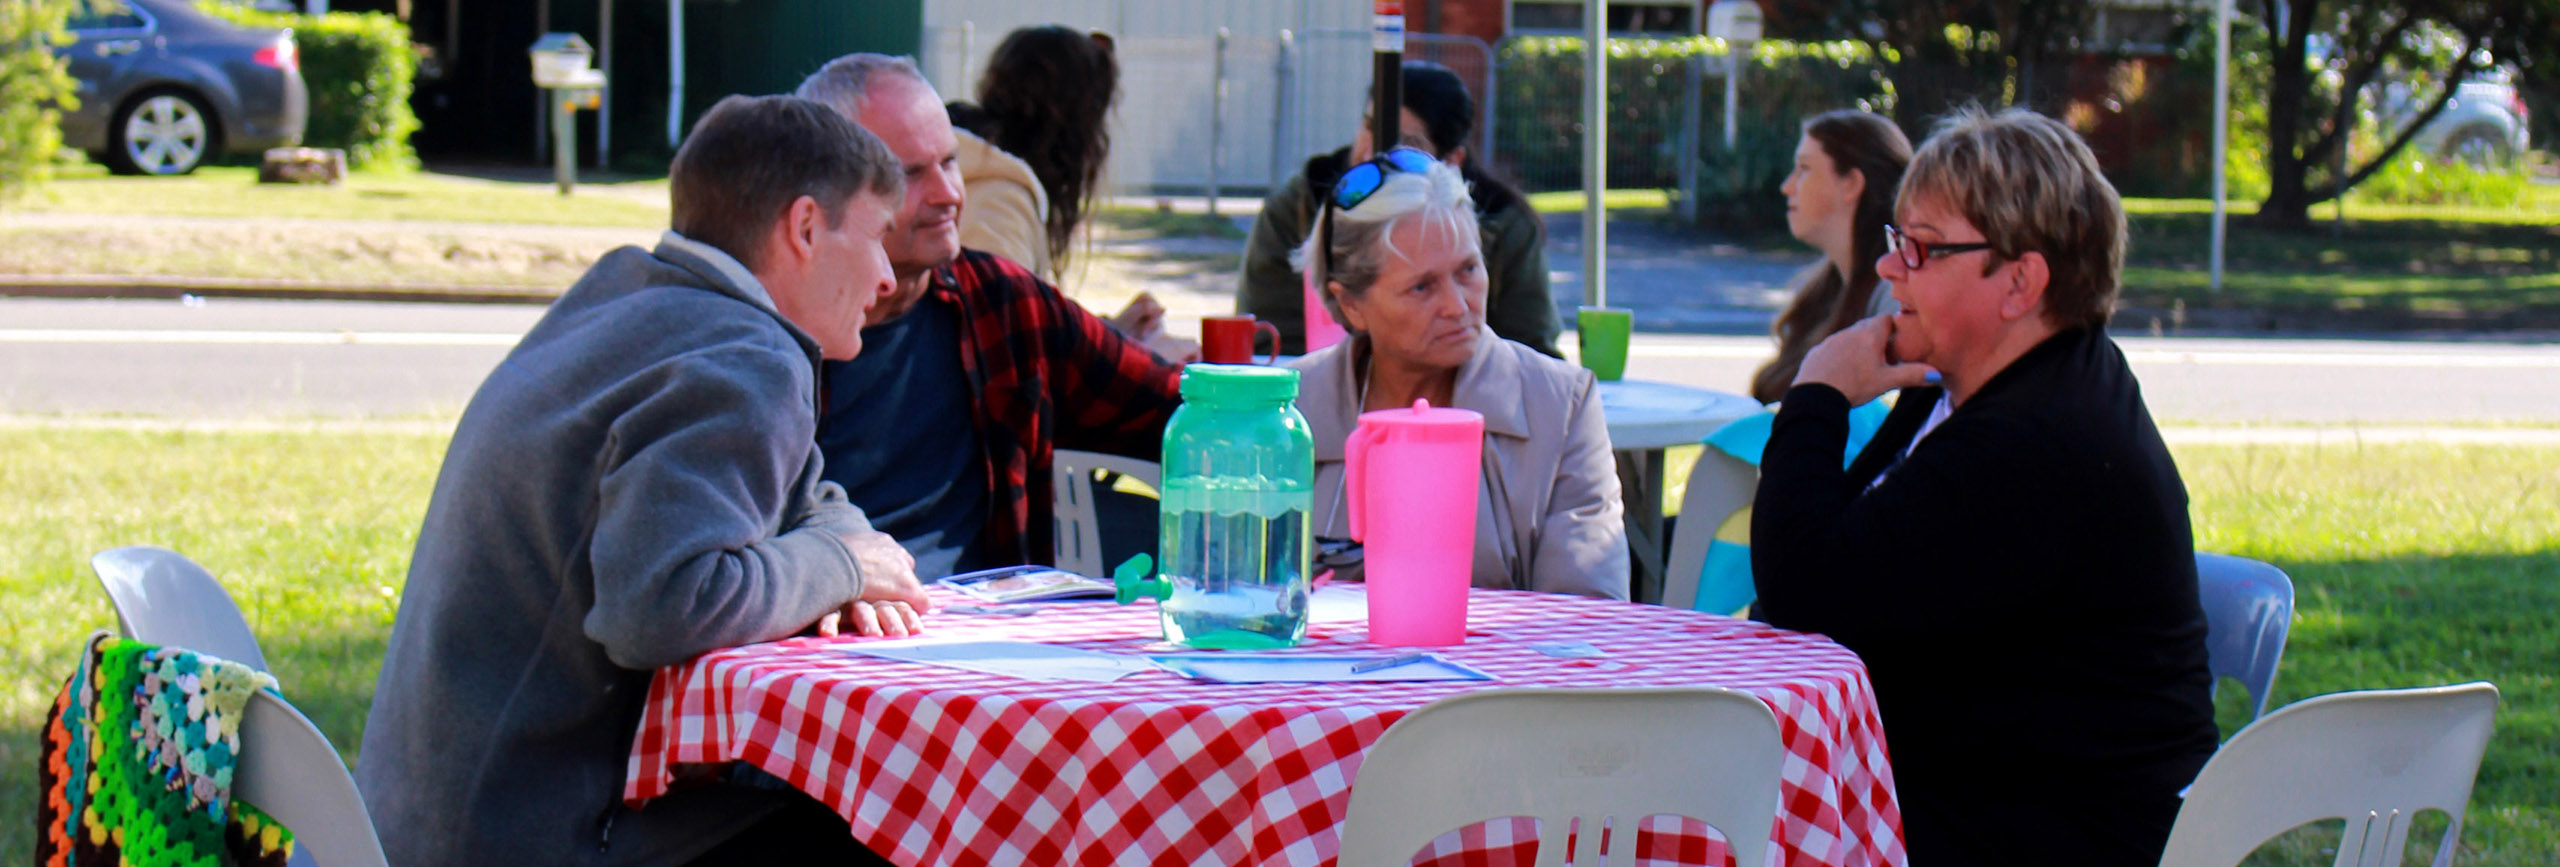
(1360, 182)
(1916, 252)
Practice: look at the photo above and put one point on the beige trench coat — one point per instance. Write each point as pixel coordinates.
(1548, 515)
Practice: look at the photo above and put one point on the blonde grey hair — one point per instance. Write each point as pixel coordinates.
(1363, 236)
(844, 84)
(2032, 186)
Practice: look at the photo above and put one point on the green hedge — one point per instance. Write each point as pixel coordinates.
(35, 85)
(358, 67)
(1538, 127)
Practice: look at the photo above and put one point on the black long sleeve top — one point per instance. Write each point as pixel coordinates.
(2022, 587)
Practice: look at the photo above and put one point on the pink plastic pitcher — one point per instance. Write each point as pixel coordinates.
(1409, 482)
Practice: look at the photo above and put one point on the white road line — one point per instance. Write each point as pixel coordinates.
(257, 338)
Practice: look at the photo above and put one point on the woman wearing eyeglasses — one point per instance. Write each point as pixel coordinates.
(2010, 555)
(1395, 245)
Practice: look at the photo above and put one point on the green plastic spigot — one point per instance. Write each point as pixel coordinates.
(1131, 582)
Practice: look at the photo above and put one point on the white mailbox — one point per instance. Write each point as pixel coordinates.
(563, 61)
(1734, 21)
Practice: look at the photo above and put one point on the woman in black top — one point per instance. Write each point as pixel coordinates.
(2010, 554)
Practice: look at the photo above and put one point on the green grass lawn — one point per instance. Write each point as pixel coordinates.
(234, 191)
(2414, 565)
(2437, 265)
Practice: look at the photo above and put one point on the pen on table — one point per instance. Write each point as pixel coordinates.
(1387, 662)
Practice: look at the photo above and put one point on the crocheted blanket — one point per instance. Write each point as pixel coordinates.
(138, 757)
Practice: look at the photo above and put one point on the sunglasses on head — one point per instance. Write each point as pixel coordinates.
(1915, 252)
(1360, 182)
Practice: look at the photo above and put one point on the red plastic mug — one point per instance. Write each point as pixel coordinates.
(1229, 339)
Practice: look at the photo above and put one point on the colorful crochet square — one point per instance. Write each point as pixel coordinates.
(139, 754)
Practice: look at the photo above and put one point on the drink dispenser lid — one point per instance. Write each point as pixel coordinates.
(1425, 423)
(1239, 384)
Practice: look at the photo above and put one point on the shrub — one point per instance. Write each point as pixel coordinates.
(35, 85)
(358, 67)
(1539, 124)
(2413, 179)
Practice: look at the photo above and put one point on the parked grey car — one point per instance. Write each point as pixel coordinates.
(2485, 124)
(164, 87)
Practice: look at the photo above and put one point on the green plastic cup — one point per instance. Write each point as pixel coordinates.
(1604, 333)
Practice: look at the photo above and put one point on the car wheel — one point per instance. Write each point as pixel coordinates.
(163, 133)
(2478, 147)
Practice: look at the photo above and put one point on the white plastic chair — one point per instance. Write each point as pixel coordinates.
(289, 770)
(2248, 610)
(1568, 755)
(1719, 485)
(163, 598)
(2372, 758)
(1079, 536)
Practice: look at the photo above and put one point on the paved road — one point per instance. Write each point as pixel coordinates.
(271, 359)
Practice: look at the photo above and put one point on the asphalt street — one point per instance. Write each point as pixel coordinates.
(234, 359)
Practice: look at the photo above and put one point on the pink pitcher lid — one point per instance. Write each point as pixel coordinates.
(1424, 422)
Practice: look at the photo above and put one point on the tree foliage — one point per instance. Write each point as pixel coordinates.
(35, 86)
(2313, 96)
(1942, 55)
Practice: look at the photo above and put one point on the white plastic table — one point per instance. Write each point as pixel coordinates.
(1644, 419)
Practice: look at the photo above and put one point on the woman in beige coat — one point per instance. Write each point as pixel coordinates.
(1405, 275)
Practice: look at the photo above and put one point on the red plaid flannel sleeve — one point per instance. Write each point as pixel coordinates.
(1049, 375)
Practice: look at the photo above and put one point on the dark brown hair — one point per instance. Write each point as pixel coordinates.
(750, 157)
(1825, 299)
(1046, 97)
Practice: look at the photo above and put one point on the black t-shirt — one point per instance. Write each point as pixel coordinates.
(898, 435)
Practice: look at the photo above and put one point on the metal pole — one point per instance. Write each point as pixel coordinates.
(968, 41)
(1280, 106)
(541, 97)
(1491, 98)
(564, 139)
(604, 98)
(2221, 129)
(1217, 117)
(1732, 90)
(675, 72)
(1695, 80)
(1595, 155)
(1386, 75)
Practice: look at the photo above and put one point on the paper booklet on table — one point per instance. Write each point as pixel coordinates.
(1027, 584)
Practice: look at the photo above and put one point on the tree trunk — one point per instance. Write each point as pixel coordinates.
(2288, 203)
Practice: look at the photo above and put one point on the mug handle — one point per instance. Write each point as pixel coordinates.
(1355, 476)
(1261, 327)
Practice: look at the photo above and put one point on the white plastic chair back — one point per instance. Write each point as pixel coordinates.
(2248, 610)
(1079, 537)
(163, 598)
(1719, 485)
(1568, 755)
(2372, 758)
(289, 770)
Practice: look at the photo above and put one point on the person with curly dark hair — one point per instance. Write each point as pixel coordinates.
(1031, 154)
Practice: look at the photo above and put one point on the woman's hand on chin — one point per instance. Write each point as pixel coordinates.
(1854, 361)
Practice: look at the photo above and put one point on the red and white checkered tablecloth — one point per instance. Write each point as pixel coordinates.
(935, 766)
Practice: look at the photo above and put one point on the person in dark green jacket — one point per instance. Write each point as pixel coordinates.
(1438, 116)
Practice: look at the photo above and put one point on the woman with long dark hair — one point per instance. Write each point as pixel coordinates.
(1839, 198)
(1031, 151)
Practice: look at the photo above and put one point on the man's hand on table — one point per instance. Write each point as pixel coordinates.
(892, 602)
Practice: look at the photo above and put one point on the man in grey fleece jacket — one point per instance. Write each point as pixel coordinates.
(634, 485)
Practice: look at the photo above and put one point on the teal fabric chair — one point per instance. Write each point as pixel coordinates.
(1711, 574)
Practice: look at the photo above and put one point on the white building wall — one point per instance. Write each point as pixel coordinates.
(1162, 134)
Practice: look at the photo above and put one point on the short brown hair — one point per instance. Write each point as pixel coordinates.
(750, 157)
(2032, 186)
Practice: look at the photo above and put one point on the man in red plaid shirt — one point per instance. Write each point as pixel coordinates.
(975, 371)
